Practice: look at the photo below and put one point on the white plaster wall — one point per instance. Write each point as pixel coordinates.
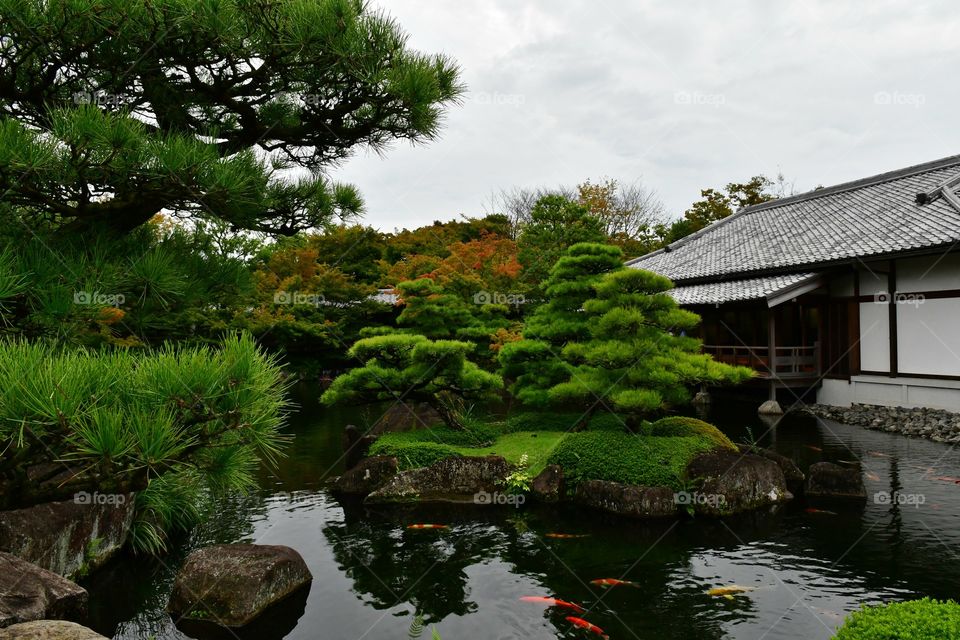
(891, 392)
(836, 393)
(874, 337)
(928, 336)
(931, 273)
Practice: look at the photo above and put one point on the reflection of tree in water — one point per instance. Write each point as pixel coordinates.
(390, 565)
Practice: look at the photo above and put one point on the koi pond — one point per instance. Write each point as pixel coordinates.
(373, 576)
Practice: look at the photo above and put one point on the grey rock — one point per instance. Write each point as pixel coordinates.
(626, 499)
(456, 479)
(369, 475)
(828, 480)
(733, 483)
(68, 537)
(29, 592)
(231, 584)
(549, 484)
(49, 630)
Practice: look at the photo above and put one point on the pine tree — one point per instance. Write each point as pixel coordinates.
(113, 110)
(535, 363)
(639, 358)
(609, 337)
(414, 369)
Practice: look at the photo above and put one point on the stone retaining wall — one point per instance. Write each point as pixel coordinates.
(934, 424)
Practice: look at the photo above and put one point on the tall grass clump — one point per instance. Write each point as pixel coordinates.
(170, 425)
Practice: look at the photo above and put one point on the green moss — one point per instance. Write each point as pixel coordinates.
(628, 458)
(419, 448)
(560, 421)
(914, 620)
(682, 426)
(409, 452)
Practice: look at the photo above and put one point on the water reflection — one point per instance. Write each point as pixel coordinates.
(372, 575)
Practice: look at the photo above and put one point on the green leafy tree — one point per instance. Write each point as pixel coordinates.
(719, 204)
(534, 363)
(556, 224)
(414, 369)
(114, 110)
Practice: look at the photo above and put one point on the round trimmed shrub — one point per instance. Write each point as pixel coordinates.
(683, 426)
(914, 620)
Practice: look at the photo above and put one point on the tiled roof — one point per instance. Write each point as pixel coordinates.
(873, 216)
(734, 290)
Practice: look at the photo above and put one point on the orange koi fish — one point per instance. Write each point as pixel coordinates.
(813, 448)
(873, 476)
(553, 602)
(564, 536)
(427, 526)
(613, 582)
(948, 479)
(583, 624)
(877, 454)
(822, 512)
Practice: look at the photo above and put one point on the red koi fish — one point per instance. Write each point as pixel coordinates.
(822, 512)
(553, 602)
(564, 536)
(427, 526)
(583, 624)
(613, 582)
(813, 448)
(948, 479)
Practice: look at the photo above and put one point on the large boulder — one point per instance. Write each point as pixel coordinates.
(356, 444)
(549, 485)
(832, 481)
(29, 592)
(626, 499)
(455, 479)
(733, 483)
(791, 472)
(402, 416)
(69, 537)
(231, 584)
(49, 630)
(369, 475)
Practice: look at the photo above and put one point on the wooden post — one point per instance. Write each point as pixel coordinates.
(772, 351)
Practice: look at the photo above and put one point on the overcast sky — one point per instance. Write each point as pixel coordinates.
(678, 95)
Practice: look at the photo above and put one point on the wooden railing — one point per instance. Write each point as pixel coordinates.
(788, 362)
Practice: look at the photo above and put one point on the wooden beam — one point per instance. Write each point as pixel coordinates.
(892, 288)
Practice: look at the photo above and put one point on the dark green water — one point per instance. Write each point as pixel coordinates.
(371, 575)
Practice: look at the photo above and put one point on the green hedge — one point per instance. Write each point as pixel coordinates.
(924, 619)
(628, 458)
(682, 426)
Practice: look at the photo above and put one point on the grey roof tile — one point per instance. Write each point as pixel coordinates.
(734, 290)
(873, 216)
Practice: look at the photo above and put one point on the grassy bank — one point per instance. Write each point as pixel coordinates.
(657, 456)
